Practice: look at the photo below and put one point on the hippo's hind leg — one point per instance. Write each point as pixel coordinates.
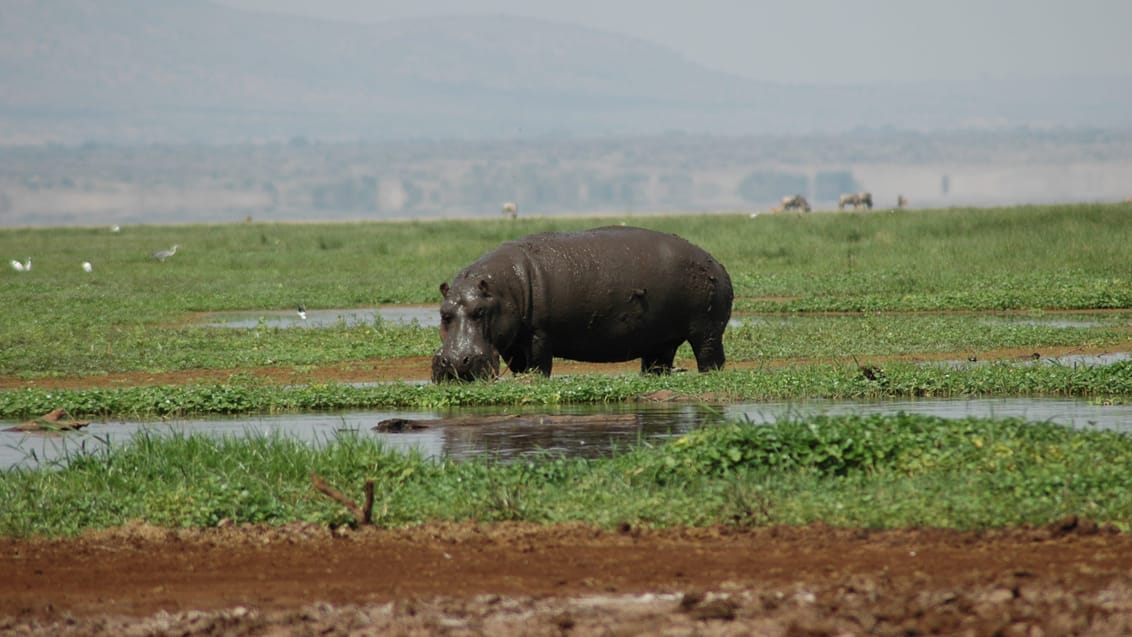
(707, 345)
(659, 361)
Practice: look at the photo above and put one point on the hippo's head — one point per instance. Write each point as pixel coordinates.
(469, 318)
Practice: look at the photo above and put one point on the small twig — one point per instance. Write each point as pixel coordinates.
(367, 510)
(361, 516)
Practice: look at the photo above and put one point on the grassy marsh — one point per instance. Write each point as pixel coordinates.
(134, 314)
(817, 296)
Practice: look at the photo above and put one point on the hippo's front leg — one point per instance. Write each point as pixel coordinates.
(517, 359)
(542, 357)
(659, 361)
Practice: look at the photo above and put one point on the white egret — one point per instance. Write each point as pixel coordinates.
(27, 266)
(162, 255)
(87, 267)
(17, 266)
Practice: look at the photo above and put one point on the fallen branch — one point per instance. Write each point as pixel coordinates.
(361, 515)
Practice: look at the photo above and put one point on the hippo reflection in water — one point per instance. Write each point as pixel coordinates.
(604, 295)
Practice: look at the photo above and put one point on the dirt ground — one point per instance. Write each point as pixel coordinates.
(1071, 578)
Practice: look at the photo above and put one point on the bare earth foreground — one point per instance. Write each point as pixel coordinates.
(1071, 578)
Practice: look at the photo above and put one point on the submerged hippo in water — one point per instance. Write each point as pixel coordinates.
(603, 295)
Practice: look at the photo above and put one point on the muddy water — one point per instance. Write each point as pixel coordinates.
(424, 315)
(429, 316)
(524, 435)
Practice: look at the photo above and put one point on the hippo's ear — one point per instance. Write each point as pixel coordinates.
(483, 287)
(444, 289)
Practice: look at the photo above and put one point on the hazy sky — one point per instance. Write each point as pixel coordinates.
(822, 41)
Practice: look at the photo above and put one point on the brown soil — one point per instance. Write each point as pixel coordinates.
(517, 579)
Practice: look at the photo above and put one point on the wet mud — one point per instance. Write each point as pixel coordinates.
(521, 579)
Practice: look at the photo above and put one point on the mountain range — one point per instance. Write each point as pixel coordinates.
(139, 71)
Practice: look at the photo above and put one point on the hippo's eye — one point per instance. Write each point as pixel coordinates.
(477, 313)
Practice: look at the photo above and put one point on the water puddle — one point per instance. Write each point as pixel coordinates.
(1068, 360)
(1080, 414)
(1061, 321)
(429, 316)
(423, 315)
(583, 430)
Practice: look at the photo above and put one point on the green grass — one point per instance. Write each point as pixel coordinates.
(244, 395)
(133, 314)
(869, 471)
(831, 292)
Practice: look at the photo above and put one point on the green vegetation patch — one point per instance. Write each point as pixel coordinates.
(241, 395)
(871, 471)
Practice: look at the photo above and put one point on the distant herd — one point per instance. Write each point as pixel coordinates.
(857, 200)
(790, 203)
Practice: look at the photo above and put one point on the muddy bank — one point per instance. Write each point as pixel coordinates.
(520, 579)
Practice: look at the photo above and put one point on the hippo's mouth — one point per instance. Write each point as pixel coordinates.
(466, 370)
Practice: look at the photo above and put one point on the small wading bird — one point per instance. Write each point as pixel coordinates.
(162, 255)
(17, 266)
(87, 267)
(302, 310)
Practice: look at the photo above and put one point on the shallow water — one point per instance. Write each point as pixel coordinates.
(424, 315)
(429, 316)
(524, 436)
(1064, 321)
(1069, 360)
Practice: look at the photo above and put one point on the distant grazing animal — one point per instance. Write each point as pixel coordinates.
(604, 295)
(162, 255)
(856, 199)
(511, 209)
(795, 202)
(901, 202)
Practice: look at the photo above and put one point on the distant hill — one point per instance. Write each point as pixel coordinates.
(190, 70)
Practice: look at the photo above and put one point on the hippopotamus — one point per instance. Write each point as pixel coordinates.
(602, 295)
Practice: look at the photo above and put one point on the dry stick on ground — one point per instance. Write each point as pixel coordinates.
(361, 516)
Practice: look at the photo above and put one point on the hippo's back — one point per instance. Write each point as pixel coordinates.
(614, 254)
(611, 293)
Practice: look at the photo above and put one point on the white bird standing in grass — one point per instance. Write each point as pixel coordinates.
(27, 266)
(17, 266)
(302, 311)
(162, 255)
(87, 267)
